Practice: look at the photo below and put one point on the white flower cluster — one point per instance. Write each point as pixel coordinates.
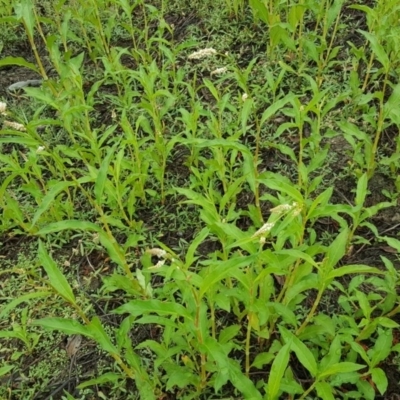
(198, 55)
(219, 71)
(287, 207)
(160, 253)
(264, 229)
(14, 125)
(3, 107)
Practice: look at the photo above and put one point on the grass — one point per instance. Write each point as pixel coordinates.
(200, 226)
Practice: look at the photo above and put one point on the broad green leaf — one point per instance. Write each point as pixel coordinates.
(274, 107)
(156, 320)
(262, 359)
(139, 307)
(281, 186)
(26, 141)
(48, 200)
(44, 96)
(333, 12)
(211, 87)
(320, 202)
(223, 270)
(215, 143)
(18, 61)
(377, 49)
(96, 330)
(310, 282)
(351, 129)
(16, 333)
(382, 347)
(105, 378)
(391, 108)
(278, 369)
(361, 193)
(24, 11)
(363, 303)
(284, 312)
(324, 391)
(337, 249)
(5, 369)
(117, 254)
(71, 224)
(303, 353)
(57, 279)
(228, 333)
(102, 175)
(14, 303)
(200, 237)
(244, 241)
(387, 322)
(297, 254)
(242, 383)
(246, 110)
(305, 356)
(260, 11)
(353, 269)
(380, 379)
(334, 355)
(122, 333)
(392, 242)
(216, 351)
(360, 350)
(338, 368)
(65, 325)
(180, 377)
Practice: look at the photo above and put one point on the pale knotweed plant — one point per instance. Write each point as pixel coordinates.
(40, 149)
(198, 55)
(245, 96)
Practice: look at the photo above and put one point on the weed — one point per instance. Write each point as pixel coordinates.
(199, 182)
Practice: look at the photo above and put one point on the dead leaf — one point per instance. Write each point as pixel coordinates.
(73, 344)
(388, 249)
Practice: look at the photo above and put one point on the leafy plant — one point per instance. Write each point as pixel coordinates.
(256, 288)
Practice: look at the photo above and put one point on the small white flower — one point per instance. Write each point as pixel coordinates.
(297, 211)
(262, 240)
(197, 55)
(160, 253)
(219, 71)
(40, 149)
(264, 229)
(245, 96)
(281, 208)
(14, 125)
(3, 107)
(158, 265)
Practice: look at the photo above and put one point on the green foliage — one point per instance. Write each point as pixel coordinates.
(273, 293)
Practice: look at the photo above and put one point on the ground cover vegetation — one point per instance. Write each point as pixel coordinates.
(199, 200)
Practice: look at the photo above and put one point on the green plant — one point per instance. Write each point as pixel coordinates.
(209, 194)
